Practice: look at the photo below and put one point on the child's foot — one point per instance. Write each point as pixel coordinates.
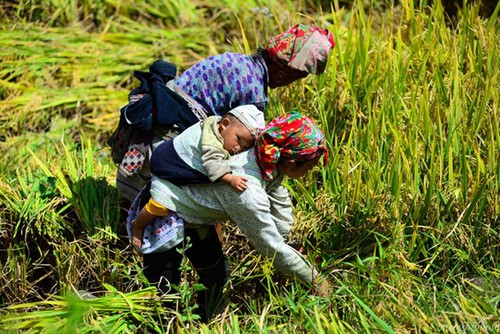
(137, 234)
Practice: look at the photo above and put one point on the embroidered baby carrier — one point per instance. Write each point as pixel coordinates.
(162, 233)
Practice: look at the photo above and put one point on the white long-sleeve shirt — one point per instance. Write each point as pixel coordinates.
(263, 211)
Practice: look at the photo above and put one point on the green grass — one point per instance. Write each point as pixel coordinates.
(403, 220)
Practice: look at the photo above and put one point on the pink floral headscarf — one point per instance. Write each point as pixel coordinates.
(292, 136)
(302, 47)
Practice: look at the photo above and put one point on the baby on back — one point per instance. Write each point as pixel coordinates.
(200, 155)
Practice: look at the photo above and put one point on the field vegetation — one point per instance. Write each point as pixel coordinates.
(404, 220)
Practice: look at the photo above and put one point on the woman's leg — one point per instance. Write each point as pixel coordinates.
(162, 269)
(209, 261)
(206, 256)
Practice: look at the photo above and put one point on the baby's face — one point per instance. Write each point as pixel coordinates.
(237, 138)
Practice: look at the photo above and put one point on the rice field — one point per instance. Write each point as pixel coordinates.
(404, 220)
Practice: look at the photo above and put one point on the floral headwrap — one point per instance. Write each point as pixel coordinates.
(302, 47)
(292, 136)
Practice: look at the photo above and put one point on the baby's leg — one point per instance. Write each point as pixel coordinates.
(137, 233)
(138, 225)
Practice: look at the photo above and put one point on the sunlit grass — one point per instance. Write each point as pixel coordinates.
(403, 220)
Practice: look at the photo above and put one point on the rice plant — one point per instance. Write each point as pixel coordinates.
(403, 220)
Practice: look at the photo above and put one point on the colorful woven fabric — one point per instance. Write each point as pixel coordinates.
(162, 233)
(133, 160)
(302, 47)
(292, 136)
(222, 82)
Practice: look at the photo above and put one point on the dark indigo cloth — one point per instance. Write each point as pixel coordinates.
(161, 105)
(168, 165)
(162, 269)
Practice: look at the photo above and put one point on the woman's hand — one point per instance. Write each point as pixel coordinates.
(321, 287)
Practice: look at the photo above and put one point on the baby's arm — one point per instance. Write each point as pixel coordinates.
(213, 155)
(237, 182)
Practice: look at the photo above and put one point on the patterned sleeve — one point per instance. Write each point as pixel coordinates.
(281, 210)
(251, 211)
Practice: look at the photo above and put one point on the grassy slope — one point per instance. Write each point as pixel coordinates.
(404, 219)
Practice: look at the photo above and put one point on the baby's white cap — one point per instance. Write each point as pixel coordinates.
(250, 116)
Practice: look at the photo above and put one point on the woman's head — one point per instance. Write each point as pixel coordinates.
(291, 144)
(296, 168)
(297, 52)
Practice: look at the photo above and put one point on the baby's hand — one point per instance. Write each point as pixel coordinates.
(239, 183)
